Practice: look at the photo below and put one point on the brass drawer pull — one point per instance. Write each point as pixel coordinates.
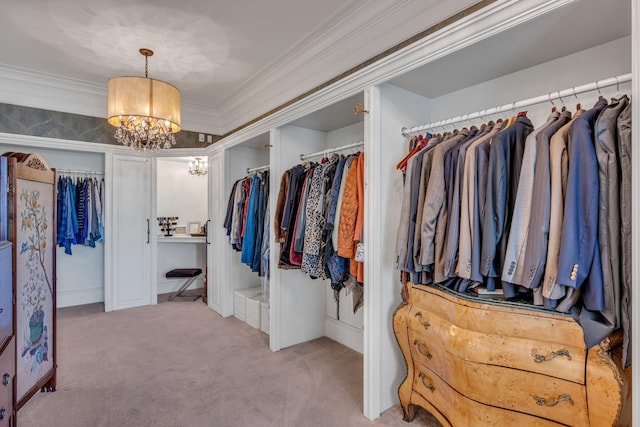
(539, 358)
(562, 398)
(429, 385)
(424, 323)
(422, 349)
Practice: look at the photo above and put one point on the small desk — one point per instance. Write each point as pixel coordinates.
(179, 252)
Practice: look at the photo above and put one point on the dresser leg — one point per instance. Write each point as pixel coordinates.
(409, 412)
(402, 335)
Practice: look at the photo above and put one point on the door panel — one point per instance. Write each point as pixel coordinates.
(131, 216)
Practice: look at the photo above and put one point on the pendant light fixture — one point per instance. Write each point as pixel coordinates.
(146, 112)
(198, 167)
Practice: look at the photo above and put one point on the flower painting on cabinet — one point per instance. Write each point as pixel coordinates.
(34, 293)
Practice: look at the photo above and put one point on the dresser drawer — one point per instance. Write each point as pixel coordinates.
(473, 341)
(6, 292)
(534, 324)
(7, 372)
(463, 412)
(539, 395)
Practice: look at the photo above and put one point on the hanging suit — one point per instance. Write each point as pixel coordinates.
(579, 264)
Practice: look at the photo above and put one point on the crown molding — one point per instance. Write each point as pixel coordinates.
(362, 31)
(20, 86)
(490, 20)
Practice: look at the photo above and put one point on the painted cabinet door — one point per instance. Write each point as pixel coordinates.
(131, 231)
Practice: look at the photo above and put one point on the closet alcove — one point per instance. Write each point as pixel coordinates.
(307, 307)
(182, 195)
(80, 276)
(300, 308)
(235, 164)
(540, 55)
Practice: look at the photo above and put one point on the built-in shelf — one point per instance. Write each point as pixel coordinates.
(181, 239)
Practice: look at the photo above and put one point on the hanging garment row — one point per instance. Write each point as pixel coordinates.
(80, 204)
(542, 214)
(247, 220)
(319, 220)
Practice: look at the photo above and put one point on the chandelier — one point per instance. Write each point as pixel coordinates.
(146, 112)
(198, 167)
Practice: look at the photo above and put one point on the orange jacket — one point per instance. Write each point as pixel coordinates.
(352, 217)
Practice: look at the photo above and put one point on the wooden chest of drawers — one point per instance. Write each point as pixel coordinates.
(475, 363)
(7, 373)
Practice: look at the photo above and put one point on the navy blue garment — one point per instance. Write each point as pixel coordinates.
(332, 266)
(79, 203)
(505, 162)
(72, 217)
(250, 229)
(579, 263)
(61, 213)
(263, 199)
(228, 219)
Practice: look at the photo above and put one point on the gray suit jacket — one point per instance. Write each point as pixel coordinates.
(505, 162)
(624, 152)
(514, 257)
(456, 177)
(536, 248)
(424, 178)
(559, 169)
(469, 205)
(434, 201)
(405, 214)
(606, 143)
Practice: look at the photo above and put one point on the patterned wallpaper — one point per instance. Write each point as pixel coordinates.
(54, 124)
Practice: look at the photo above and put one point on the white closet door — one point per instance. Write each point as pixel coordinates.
(131, 226)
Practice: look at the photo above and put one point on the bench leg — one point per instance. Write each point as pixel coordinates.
(183, 288)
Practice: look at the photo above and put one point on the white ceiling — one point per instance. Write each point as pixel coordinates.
(231, 60)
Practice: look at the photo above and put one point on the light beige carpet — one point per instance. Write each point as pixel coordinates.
(181, 364)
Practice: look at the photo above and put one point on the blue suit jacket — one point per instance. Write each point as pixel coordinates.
(505, 162)
(579, 263)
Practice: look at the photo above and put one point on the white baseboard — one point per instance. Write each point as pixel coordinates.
(79, 297)
(167, 286)
(345, 334)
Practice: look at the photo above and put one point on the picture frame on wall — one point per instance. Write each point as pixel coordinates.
(195, 228)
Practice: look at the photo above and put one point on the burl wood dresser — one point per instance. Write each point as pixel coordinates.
(477, 363)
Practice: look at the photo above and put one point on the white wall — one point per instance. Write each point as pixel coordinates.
(384, 364)
(179, 193)
(597, 63)
(80, 277)
(297, 302)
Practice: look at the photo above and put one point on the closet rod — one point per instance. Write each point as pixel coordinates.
(258, 169)
(78, 171)
(561, 94)
(331, 150)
